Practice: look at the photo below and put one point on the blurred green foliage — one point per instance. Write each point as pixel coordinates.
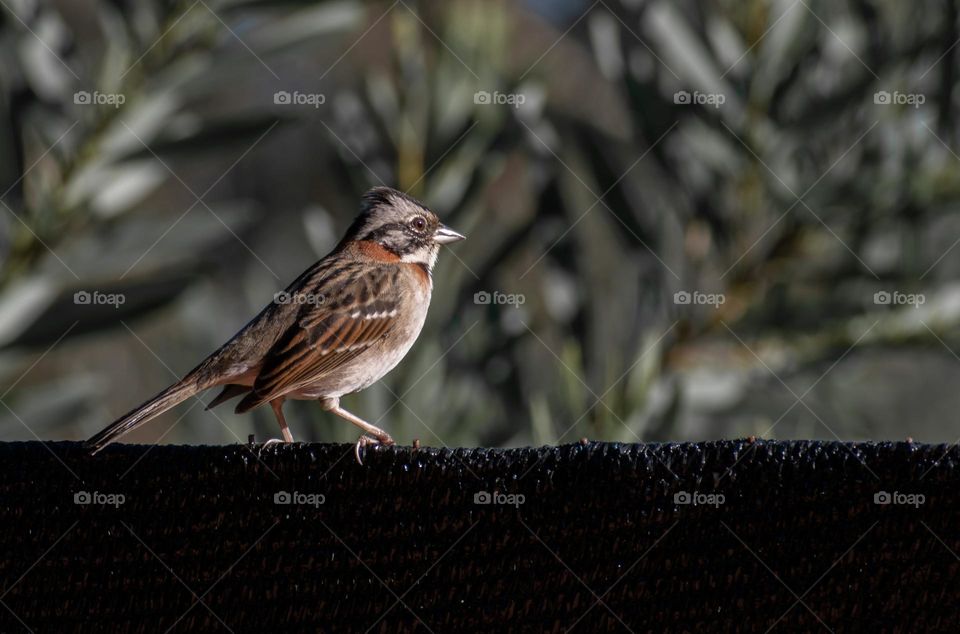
(615, 165)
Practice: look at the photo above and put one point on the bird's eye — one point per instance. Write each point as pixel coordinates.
(419, 223)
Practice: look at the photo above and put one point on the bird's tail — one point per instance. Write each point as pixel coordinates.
(170, 397)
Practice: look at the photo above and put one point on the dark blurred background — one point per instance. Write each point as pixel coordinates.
(685, 220)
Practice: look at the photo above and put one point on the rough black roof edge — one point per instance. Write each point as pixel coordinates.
(401, 448)
(667, 461)
(713, 536)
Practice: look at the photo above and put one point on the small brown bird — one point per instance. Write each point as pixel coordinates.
(337, 329)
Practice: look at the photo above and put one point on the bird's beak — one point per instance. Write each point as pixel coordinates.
(446, 235)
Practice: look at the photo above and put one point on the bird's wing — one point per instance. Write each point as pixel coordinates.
(355, 315)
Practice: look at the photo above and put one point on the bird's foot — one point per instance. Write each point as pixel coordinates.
(366, 441)
(273, 441)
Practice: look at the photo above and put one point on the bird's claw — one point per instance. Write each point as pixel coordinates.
(366, 440)
(267, 444)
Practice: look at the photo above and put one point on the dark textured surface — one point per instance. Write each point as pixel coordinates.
(598, 544)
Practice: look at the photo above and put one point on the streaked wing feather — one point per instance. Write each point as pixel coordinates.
(303, 362)
(324, 338)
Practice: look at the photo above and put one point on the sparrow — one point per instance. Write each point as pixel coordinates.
(337, 329)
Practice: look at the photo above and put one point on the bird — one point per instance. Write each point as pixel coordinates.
(338, 328)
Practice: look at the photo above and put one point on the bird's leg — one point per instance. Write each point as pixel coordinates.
(333, 405)
(277, 405)
(372, 434)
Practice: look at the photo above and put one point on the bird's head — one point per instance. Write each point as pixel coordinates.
(401, 225)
